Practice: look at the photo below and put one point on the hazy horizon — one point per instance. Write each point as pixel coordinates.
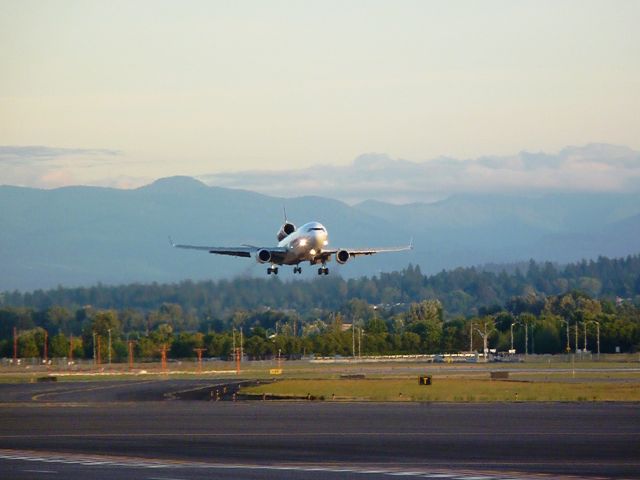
(590, 168)
(118, 94)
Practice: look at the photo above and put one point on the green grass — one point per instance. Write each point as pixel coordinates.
(450, 390)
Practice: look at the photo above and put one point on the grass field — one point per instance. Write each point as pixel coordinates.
(537, 379)
(451, 390)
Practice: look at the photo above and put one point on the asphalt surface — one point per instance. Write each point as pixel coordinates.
(53, 428)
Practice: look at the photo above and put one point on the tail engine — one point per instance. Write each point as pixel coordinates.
(342, 256)
(263, 256)
(286, 230)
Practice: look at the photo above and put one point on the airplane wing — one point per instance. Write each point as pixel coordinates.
(241, 251)
(372, 251)
(354, 252)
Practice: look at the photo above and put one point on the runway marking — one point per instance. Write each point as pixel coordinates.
(36, 398)
(133, 462)
(165, 478)
(304, 434)
(39, 471)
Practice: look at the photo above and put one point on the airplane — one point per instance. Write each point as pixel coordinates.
(309, 243)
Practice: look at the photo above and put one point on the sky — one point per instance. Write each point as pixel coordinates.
(120, 93)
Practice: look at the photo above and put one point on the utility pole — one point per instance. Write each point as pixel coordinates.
(233, 331)
(15, 346)
(241, 344)
(70, 349)
(360, 342)
(526, 338)
(109, 347)
(94, 348)
(163, 352)
(353, 339)
(485, 339)
(471, 337)
(130, 345)
(44, 347)
(199, 352)
(577, 349)
(512, 349)
(568, 335)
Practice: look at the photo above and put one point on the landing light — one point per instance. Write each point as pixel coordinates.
(325, 243)
(303, 242)
(312, 251)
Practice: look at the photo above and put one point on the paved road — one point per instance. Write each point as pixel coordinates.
(448, 439)
(112, 390)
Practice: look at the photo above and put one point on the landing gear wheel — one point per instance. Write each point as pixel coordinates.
(273, 270)
(297, 270)
(323, 271)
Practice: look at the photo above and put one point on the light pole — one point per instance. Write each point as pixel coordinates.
(109, 330)
(513, 325)
(512, 336)
(568, 346)
(44, 347)
(577, 349)
(533, 338)
(15, 346)
(130, 345)
(353, 338)
(94, 348)
(471, 337)
(485, 339)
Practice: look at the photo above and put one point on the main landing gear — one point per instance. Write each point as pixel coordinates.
(273, 270)
(323, 270)
(297, 269)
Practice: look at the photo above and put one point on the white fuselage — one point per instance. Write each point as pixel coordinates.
(305, 244)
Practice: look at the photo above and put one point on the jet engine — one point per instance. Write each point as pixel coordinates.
(263, 256)
(342, 256)
(286, 230)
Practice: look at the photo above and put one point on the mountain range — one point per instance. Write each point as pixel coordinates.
(75, 236)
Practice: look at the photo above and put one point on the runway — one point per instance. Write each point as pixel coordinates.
(55, 428)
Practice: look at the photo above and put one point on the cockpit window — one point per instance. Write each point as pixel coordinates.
(316, 228)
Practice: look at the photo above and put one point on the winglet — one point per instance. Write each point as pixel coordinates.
(284, 210)
(171, 242)
(411, 243)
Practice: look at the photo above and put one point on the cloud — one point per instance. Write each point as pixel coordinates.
(51, 167)
(38, 153)
(594, 167)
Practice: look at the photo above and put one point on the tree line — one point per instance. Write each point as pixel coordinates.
(462, 291)
(527, 324)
